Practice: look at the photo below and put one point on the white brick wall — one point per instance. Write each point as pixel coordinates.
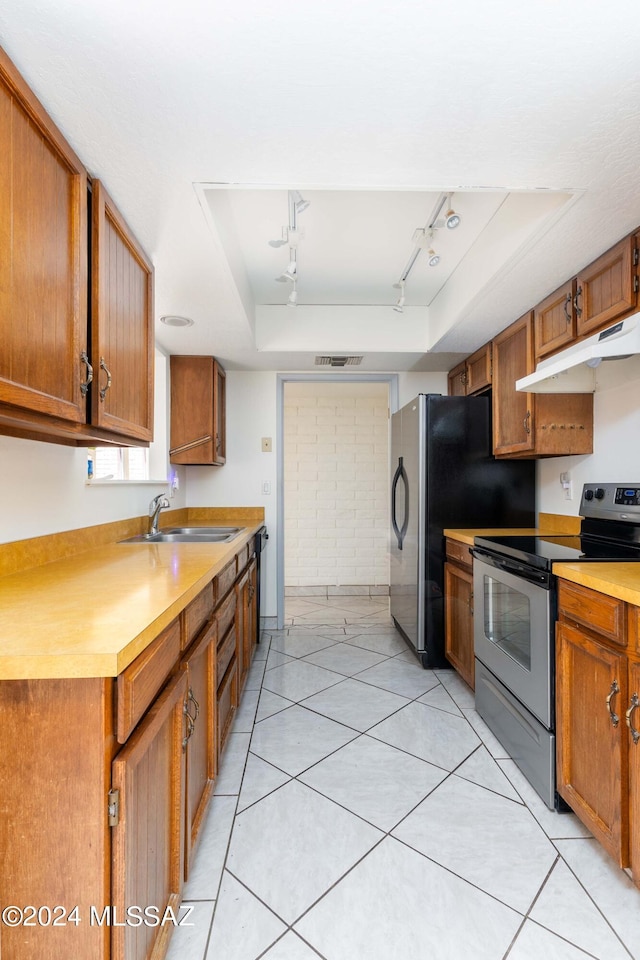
(336, 484)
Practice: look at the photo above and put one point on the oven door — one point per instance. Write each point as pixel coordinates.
(512, 629)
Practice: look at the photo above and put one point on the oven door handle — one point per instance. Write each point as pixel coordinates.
(514, 567)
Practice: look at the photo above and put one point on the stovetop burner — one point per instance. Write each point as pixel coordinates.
(610, 531)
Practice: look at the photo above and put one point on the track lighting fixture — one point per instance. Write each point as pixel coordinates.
(423, 240)
(300, 203)
(452, 219)
(399, 306)
(291, 235)
(291, 273)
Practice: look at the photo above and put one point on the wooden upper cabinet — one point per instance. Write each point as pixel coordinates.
(471, 376)
(479, 370)
(198, 411)
(513, 412)
(457, 380)
(43, 258)
(607, 288)
(554, 321)
(121, 324)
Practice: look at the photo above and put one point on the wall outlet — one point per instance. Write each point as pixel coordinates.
(266, 487)
(266, 445)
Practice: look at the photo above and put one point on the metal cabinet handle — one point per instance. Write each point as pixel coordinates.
(84, 385)
(566, 305)
(190, 725)
(471, 603)
(525, 422)
(577, 308)
(192, 699)
(218, 442)
(615, 719)
(103, 390)
(635, 702)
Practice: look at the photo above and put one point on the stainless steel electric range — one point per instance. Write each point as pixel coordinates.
(514, 623)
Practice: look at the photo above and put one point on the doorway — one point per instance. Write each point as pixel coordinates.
(333, 485)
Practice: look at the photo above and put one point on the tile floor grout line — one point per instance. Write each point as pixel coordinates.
(591, 839)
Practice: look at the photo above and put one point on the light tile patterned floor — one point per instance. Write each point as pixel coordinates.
(364, 812)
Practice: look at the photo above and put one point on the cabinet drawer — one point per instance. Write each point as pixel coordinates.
(196, 615)
(224, 580)
(595, 611)
(139, 683)
(226, 651)
(459, 552)
(227, 703)
(225, 613)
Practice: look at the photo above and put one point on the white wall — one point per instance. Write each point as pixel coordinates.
(44, 488)
(251, 415)
(616, 448)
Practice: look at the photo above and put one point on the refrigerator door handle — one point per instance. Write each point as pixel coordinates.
(400, 532)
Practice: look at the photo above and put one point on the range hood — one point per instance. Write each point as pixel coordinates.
(574, 370)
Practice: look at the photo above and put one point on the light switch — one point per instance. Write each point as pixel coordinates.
(266, 445)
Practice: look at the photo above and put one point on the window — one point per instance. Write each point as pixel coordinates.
(118, 463)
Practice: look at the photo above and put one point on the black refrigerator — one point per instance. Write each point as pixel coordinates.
(443, 474)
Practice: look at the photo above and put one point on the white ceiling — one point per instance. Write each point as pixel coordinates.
(200, 115)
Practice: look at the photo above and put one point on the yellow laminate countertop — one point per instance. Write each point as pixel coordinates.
(620, 580)
(467, 536)
(90, 615)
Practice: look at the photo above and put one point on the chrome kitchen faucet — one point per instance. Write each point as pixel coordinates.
(157, 504)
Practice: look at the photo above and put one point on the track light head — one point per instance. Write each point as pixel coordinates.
(300, 203)
(452, 219)
(399, 306)
(293, 298)
(434, 258)
(290, 273)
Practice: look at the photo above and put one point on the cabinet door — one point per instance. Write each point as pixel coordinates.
(554, 322)
(242, 624)
(43, 258)
(513, 412)
(458, 624)
(148, 841)
(633, 734)
(201, 724)
(121, 324)
(606, 289)
(479, 370)
(591, 695)
(219, 413)
(197, 411)
(457, 380)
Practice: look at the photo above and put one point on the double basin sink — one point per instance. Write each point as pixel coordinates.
(188, 535)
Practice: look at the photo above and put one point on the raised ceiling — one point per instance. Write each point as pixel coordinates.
(199, 116)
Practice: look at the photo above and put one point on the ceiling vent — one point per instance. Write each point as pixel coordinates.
(338, 361)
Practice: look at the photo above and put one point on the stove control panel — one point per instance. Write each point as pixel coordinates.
(612, 501)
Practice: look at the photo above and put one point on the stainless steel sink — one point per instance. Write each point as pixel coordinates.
(188, 535)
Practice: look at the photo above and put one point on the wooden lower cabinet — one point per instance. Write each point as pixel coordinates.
(597, 687)
(105, 783)
(201, 748)
(458, 610)
(590, 749)
(632, 718)
(148, 840)
(246, 620)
